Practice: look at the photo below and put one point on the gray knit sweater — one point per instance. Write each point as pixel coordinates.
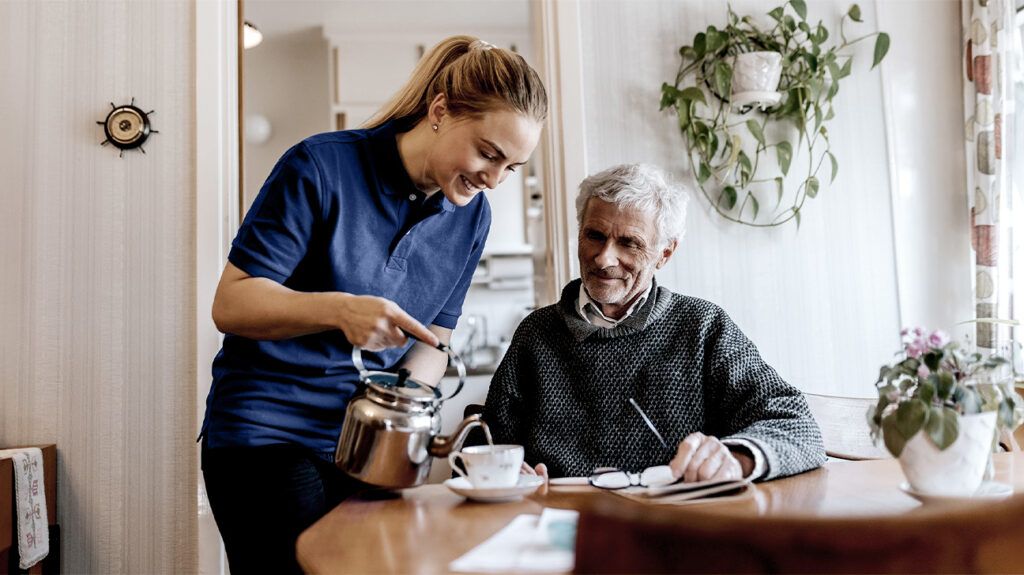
(562, 389)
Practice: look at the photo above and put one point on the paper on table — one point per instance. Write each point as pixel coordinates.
(694, 492)
(559, 481)
(528, 543)
(706, 487)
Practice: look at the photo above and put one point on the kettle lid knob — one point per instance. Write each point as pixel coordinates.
(403, 374)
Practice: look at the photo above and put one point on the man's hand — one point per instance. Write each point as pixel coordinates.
(701, 457)
(541, 470)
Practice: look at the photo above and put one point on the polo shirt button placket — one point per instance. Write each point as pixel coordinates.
(412, 197)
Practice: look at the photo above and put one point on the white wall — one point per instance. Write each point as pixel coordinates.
(924, 100)
(97, 291)
(821, 303)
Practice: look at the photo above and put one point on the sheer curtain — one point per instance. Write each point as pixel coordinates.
(991, 76)
(1016, 202)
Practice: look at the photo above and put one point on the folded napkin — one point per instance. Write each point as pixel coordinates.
(529, 543)
(30, 504)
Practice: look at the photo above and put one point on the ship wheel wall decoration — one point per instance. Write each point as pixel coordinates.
(127, 127)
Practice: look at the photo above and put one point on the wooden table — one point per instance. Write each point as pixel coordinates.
(422, 530)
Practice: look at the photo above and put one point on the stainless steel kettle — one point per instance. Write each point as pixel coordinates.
(391, 430)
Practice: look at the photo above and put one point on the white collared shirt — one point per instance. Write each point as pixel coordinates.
(590, 311)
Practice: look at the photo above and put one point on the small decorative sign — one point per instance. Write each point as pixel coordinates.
(127, 127)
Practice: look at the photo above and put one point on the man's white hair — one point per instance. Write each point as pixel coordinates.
(641, 187)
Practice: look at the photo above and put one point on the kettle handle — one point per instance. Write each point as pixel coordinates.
(460, 367)
(357, 360)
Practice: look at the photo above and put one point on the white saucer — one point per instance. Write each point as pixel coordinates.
(527, 485)
(989, 490)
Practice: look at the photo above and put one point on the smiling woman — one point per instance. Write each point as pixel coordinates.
(474, 150)
(349, 243)
(459, 149)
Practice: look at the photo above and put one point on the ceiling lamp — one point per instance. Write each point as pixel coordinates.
(251, 35)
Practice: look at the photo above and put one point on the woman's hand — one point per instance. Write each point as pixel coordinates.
(374, 323)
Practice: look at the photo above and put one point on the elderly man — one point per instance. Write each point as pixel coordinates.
(567, 386)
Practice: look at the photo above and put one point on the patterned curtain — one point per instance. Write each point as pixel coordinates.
(991, 43)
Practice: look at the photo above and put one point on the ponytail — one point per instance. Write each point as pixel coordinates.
(475, 77)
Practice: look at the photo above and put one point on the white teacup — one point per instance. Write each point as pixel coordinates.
(489, 465)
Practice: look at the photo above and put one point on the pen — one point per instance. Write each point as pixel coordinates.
(647, 420)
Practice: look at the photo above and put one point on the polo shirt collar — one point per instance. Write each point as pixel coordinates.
(390, 169)
(446, 204)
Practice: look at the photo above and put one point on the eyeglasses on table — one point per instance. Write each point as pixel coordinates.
(613, 478)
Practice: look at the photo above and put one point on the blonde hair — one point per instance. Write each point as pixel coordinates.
(476, 77)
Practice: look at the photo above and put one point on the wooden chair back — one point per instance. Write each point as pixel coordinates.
(616, 536)
(844, 426)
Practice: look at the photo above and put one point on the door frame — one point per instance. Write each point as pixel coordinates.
(218, 55)
(216, 211)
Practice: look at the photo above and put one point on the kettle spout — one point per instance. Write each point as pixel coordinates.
(441, 446)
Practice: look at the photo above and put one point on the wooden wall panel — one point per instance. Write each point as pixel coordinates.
(97, 288)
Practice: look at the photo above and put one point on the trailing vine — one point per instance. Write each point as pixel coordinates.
(701, 97)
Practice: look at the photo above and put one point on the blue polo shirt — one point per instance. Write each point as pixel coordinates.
(337, 213)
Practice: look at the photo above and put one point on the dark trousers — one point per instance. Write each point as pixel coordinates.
(264, 497)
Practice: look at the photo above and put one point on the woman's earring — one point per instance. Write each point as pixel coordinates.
(434, 126)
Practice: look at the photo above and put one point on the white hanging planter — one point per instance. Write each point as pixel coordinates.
(755, 79)
(956, 471)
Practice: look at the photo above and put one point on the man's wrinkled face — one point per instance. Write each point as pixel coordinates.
(619, 254)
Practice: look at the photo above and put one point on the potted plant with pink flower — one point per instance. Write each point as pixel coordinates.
(938, 410)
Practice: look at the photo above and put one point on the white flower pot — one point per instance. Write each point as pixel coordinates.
(755, 79)
(956, 471)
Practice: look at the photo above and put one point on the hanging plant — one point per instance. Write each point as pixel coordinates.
(725, 92)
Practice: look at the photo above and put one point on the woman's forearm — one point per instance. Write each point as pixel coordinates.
(260, 308)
